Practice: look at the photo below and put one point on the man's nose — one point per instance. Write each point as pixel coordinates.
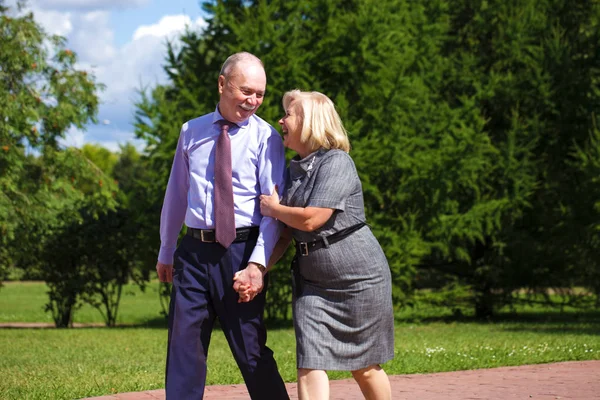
(252, 99)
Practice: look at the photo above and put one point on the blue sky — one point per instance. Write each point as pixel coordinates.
(122, 43)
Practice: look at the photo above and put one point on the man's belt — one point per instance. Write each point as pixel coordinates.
(208, 235)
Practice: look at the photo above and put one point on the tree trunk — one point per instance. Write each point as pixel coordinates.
(64, 314)
(484, 304)
(64, 320)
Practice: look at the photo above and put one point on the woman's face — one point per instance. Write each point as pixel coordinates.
(291, 125)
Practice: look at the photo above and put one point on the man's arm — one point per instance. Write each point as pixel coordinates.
(173, 211)
(271, 169)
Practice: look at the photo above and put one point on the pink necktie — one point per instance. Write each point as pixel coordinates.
(224, 215)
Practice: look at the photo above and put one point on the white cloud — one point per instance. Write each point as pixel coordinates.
(131, 67)
(92, 39)
(88, 4)
(54, 22)
(138, 63)
(106, 136)
(168, 25)
(73, 138)
(123, 69)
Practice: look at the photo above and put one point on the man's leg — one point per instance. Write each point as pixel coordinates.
(244, 329)
(191, 319)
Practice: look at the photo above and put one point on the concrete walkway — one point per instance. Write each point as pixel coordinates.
(566, 380)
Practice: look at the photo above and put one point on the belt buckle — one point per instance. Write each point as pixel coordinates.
(239, 235)
(202, 236)
(303, 248)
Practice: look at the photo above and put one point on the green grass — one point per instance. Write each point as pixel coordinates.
(77, 363)
(25, 302)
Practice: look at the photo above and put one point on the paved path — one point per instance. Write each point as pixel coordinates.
(565, 380)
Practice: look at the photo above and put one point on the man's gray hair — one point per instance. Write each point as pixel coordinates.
(234, 59)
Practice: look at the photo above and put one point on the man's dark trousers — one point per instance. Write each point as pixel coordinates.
(203, 290)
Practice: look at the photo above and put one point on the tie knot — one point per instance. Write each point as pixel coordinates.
(225, 125)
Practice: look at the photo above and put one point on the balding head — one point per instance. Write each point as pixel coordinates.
(235, 60)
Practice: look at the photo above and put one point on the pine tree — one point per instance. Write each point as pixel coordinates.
(471, 125)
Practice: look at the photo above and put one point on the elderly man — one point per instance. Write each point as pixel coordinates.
(224, 161)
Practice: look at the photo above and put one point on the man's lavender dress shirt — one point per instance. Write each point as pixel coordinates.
(258, 164)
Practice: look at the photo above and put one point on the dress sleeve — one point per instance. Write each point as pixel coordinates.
(335, 181)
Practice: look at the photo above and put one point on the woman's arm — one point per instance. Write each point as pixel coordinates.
(280, 247)
(303, 218)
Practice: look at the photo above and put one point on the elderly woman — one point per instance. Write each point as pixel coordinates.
(342, 303)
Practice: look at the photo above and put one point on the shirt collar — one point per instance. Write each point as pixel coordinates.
(218, 117)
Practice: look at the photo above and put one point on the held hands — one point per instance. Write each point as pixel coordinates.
(248, 282)
(268, 203)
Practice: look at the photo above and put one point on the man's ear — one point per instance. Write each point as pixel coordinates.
(221, 83)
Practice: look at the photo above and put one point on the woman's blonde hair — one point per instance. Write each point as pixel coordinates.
(321, 125)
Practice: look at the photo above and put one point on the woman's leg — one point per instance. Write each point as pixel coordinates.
(373, 382)
(313, 384)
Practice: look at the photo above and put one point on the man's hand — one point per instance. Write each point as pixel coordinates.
(165, 272)
(248, 282)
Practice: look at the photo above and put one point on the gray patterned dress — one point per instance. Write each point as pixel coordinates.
(343, 319)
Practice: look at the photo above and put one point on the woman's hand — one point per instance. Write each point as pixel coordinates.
(248, 282)
(269, 203)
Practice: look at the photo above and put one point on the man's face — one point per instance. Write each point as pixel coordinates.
(242, 92)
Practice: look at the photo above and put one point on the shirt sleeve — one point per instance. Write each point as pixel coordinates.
(334, 182)
(271, 167)
(175, 203)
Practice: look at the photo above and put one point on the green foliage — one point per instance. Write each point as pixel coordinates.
(531, 69)
(42, 95)
(79, 268)
(279, 292)
(472, 125)
(90, 260)
(101, 157)
(67, 216)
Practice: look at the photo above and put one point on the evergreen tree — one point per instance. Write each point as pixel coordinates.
(471, 125)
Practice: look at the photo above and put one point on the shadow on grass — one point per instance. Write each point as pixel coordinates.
(572, 322)
(159, 322)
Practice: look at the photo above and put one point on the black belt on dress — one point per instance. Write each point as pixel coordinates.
(208, 235)
(303, 248)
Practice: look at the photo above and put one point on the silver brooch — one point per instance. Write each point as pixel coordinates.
(311, 163)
